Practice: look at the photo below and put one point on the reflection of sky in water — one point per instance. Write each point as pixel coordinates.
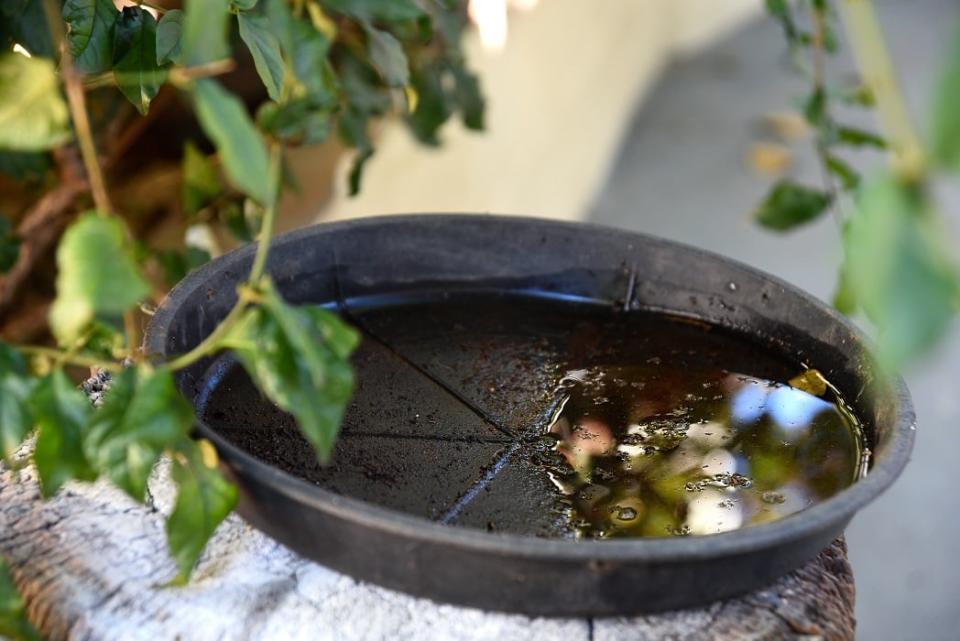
(789, 407)
(748, 402)
(793, 409)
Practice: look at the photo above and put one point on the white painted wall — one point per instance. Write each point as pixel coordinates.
(560, 96)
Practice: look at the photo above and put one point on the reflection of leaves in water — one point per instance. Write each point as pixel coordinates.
(659, 444)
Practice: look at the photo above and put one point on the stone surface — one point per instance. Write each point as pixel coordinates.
(92, 564)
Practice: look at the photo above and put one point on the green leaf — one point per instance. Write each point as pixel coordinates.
(789, 205)
(169, 37)
(814, 109)
(298, 358)
(135, 57)
(945, 116)
(102, 340)
(201, 181)
(90, 33)
(27, 22)
(860, 138)
(13, 616)
(432, 106)
(60, 411)
(382, 10)
(242, 5)
(386, 54)
(780, 9)
(176, 264)
(469, 98)
(900, 268)
(305, 50)
(205, 31)
(838, 167)
(9, 245)
(845, 297)
(204, 499)
(295, 122)
(33, 114)
(242, 152)
(142, 415)
(265, 49)
(97, 275)
(16, 419)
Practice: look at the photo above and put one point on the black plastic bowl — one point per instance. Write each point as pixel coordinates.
(497, 571)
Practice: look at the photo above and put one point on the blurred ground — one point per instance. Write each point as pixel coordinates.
(681, 174)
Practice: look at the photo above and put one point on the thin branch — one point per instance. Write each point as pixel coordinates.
(39, 230)
(873, 59)
(67, 358)
(73, 85)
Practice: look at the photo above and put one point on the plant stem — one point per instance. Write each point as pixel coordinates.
(212, 342)
(873, 59)
(73, 85)
(269, 218)
(67, 358)
(178, 75)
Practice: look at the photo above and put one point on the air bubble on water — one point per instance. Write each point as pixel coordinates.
(732, 286)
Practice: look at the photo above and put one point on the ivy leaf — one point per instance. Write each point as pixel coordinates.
(386, 54)
(60, 411)
(860, 138)
(13, 617)
(201, 182)
(135, 57)
(298, 358)
(204, 499)
(789, 205)
(169, 37)
(90, 33)
(16, 419)
(242, 152)
(140, 416)
(205, 31)
(377, 10)
(899, 267)
(945, 116)
(33, 114)
(9, 245)
(265, 49)
(97, 275)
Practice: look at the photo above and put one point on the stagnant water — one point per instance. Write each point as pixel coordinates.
(586, 422)
(656, 448)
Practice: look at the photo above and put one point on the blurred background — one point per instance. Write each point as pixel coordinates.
(655, 117)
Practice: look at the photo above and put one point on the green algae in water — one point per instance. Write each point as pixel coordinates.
(659, 450)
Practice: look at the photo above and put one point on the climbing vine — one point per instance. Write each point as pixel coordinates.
(327, 68)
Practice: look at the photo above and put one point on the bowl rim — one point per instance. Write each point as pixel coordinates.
(807, 522)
